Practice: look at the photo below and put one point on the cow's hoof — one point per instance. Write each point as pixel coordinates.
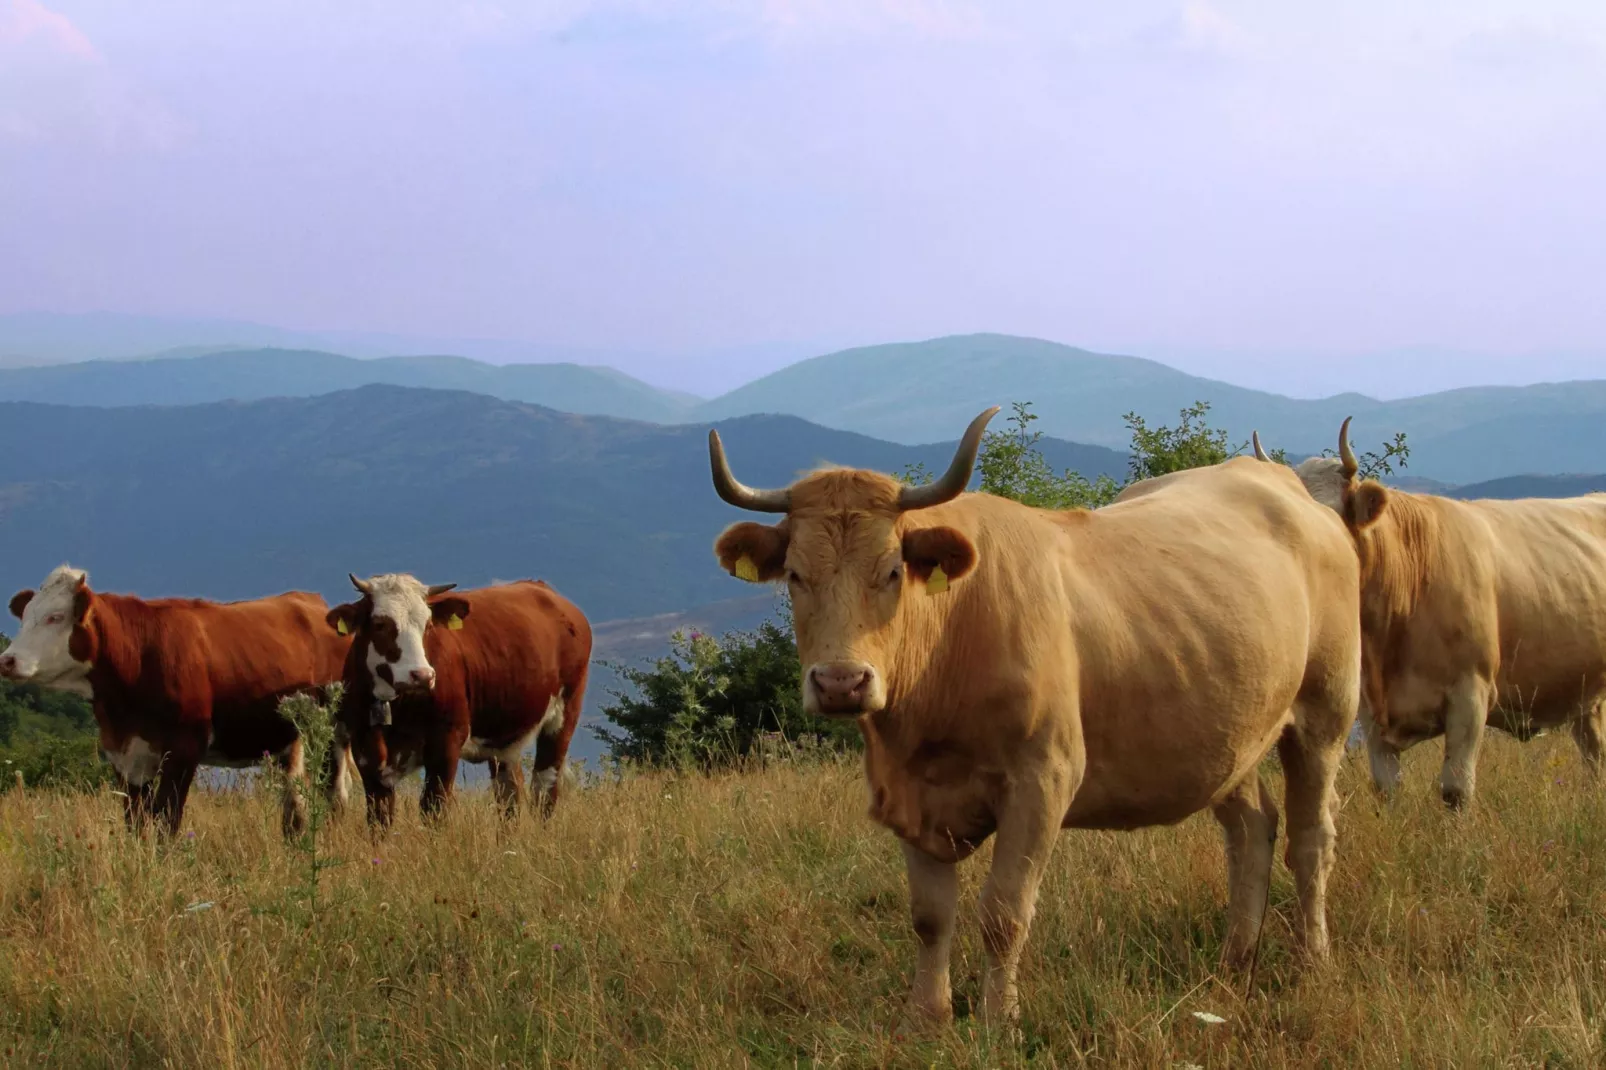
(1454, 798)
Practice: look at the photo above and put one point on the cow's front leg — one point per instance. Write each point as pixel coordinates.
(1382, 756)
(1027, 827)
(172, 791)
(1466, 711)
(933, 901)
(136, 802)
(440, 772)
(1589, 732)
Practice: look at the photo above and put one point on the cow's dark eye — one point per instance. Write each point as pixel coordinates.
(793, 577)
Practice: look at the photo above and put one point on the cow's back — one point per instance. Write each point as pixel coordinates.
(263, 647)
(1547, 561)
(517, 639)
(1204, 610)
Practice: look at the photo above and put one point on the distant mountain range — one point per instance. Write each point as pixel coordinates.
(908, 393)
(239, 499)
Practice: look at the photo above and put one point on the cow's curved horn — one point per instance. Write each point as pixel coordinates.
(438, 589)
(1260, 451)
(738, 493)
(1346, 455)
(957, 478)
(361, 585)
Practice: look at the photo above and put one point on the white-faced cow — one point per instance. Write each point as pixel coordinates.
(1016, 671)
(1473, 613)
(476, 676)
(179, 682)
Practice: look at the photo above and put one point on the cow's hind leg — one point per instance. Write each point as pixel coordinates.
(1248, 819)
(293, 820)
(1589, 732)
(507, 780)
(1309, 769)
(933, 901)
(552, 744)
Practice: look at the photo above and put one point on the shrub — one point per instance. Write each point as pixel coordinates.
(712, 701)
(61, 763)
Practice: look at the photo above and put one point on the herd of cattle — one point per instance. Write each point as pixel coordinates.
(1014, 671)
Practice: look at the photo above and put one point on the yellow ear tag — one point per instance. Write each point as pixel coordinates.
(746, 570)
(340, 626)
(454, 623)
(937, 582)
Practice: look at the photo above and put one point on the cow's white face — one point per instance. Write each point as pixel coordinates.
(1324, 478)
(392, 618)
(41, 653)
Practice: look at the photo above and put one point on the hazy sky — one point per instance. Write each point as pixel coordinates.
(1196, 180)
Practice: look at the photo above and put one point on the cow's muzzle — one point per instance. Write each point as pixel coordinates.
(842, 689)
(11, 668)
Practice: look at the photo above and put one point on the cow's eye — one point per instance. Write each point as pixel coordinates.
(792, 576)
(53, 619)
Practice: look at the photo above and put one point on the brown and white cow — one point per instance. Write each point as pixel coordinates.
(1017, 671)
(179, 682)
(476, 676)
(1473, 613)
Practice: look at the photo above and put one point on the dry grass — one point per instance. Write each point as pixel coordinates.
(759, 919)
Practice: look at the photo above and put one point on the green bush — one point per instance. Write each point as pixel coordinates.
(713, 701)
(68, 764)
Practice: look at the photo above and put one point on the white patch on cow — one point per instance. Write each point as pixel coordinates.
(137, 763)
(340, 785)
(545, 781)
(40, 652)
(552, 723)
(1324, 479)
(402, 600)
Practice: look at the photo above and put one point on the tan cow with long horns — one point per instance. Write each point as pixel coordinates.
(1017, 671)
(1472, 613)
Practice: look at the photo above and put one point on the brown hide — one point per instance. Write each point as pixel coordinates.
(521, 646)
(199, 682)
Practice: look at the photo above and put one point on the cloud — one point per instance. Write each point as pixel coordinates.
(56, 86)
(29, 24)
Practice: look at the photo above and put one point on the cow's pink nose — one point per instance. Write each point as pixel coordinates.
(8, 664)
(840, 687)
(424, 677)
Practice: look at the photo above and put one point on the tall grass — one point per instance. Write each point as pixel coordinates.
(759, 919)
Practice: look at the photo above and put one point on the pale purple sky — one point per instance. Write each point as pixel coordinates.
(1220, 184)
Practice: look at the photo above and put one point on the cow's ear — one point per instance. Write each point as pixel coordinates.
(19, 602)
(346, 618)
(1366, 504)
(83, 598)
(449, 611)
(926, 550)
(753, 552)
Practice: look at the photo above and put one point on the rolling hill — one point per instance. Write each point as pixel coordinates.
(238, 499)
(906, 392)
(911, 393)
(246, 375)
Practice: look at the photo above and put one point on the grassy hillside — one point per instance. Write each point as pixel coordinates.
(759, 919)
(903, 392)
(242, 499)
(245, 375)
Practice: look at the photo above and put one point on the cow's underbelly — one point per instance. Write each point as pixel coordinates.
(1528, 706)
